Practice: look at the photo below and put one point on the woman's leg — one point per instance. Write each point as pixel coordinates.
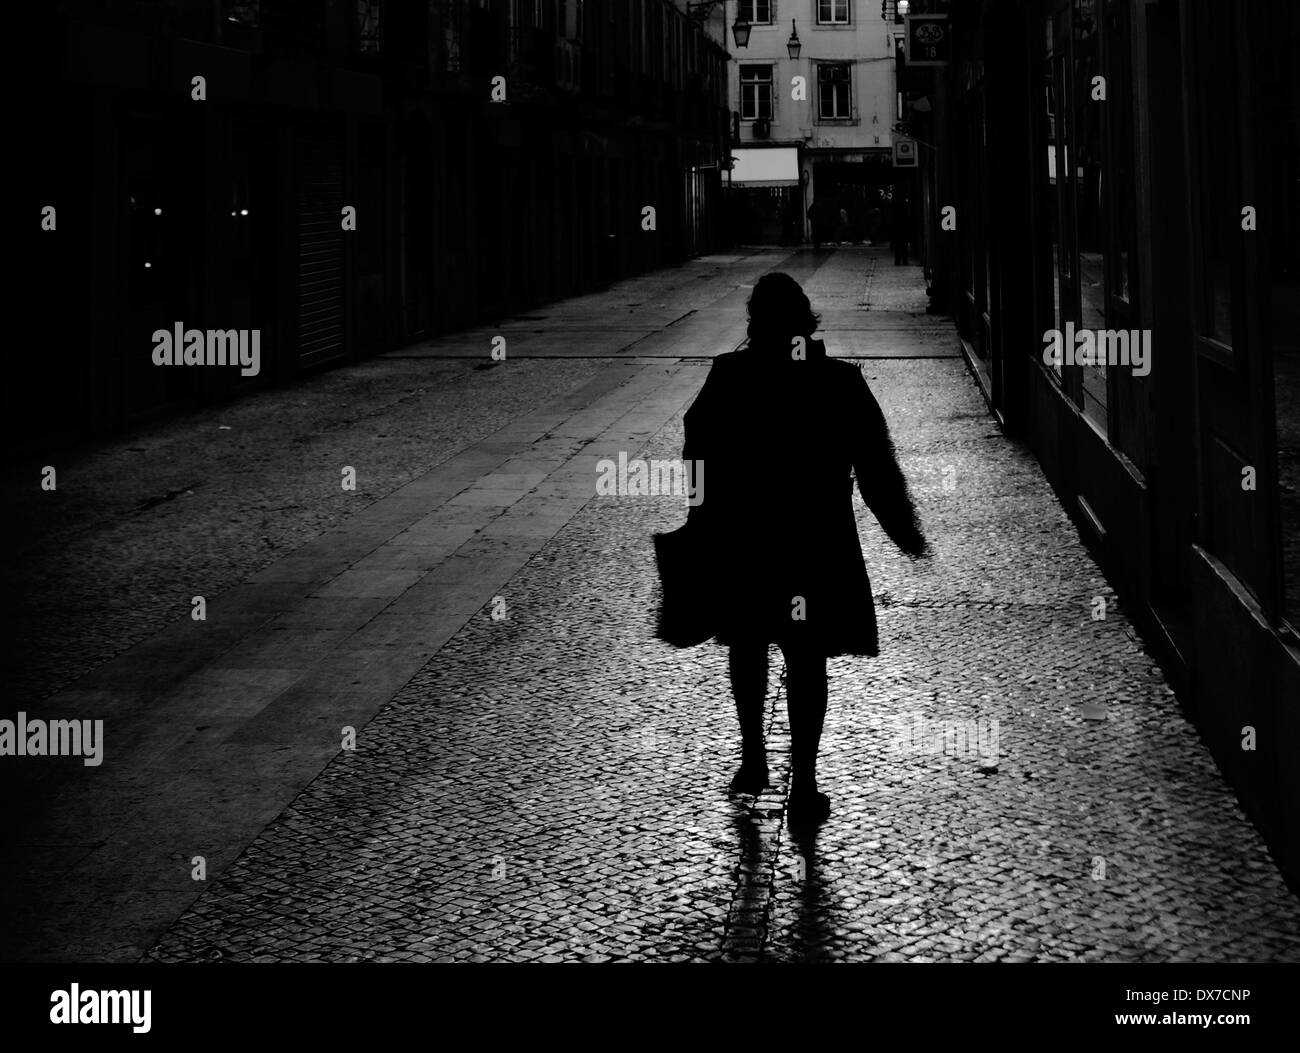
(747, 663)
(806, 687)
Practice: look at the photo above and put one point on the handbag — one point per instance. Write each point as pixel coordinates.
(683, 587)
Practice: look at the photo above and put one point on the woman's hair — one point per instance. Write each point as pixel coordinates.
(779, 310)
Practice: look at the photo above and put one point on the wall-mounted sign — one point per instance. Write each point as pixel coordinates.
(927, 40)
(904, 152)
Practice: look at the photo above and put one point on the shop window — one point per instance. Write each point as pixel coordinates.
(1277, 179)
(986, 229)
(1121, 274)
(1236, 309)
(1058, 159)
(1085, 177)
(972, 205)
(1052, 320)
(1219, 169)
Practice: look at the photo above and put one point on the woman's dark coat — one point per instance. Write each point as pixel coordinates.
(780, 438)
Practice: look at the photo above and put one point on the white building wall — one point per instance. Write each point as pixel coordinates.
(867, 43)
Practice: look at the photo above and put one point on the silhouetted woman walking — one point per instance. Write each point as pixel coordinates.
(780, 428)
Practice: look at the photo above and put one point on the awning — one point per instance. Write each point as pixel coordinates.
(772, 166)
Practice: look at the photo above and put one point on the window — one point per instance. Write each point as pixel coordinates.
(757, 12)
(245, 12)
(568, 19)
(1121, 277)
(833, 94)
(1055, 132)
(368, 37)
(833, 12)
(1220, 226)
(756, 93)
(1085, 182)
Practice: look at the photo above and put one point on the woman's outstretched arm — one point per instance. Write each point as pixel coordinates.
(880, 479)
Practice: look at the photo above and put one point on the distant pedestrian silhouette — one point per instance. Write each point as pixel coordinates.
(822, 216)
(780, 427)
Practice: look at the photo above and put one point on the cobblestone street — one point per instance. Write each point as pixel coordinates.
(535, 776)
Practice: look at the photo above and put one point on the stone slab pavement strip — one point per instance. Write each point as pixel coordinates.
(549, 783)
(692, 311)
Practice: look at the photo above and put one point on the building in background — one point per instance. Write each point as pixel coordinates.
(1131, 168)
(814, 108)
(200, 154)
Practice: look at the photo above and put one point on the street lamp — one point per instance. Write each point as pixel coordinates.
(794, 44)
(739, 28)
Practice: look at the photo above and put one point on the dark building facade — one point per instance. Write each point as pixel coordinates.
(199, 156)
(1131, 168)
